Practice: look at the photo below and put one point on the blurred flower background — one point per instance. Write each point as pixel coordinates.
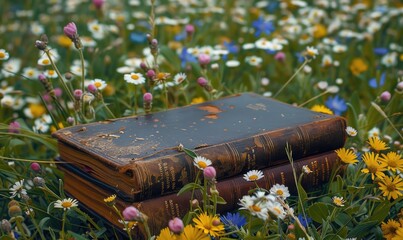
(74, 61)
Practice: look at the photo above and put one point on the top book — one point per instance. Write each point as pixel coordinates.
(139, 155)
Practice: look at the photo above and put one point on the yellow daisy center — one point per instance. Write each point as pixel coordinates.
(95, 28)
(98, 84)
(160, 75)
(202, 164)
(2, 55)
(253, 177)
(134, 76)
(66, 204)
(51, 72)
(277, 210)
(45, 61)
(255, 208)
(279, 192)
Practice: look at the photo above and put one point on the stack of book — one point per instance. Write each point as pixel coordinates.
(138, 158)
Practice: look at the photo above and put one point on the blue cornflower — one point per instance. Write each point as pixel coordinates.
(138, 37)
(304, 221)
(381, 51)
(231, 47)
(186, 57)
(262, 27)
(374, 84)
(233, 219)
(180, 36)
(336, 104)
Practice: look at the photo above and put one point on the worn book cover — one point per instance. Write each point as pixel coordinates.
(160, 210)
(139, 155)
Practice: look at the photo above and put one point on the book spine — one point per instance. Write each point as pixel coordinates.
(161, 209)
(167, 174)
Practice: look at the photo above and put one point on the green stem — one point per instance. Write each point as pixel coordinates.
(166, 95)
(135, 100)
(88, 218)
(35, 223)
(291, 78)
(20, 228)
(63, 224)
(66, 89)
(82, 68)
(107, 108)
(123, 220)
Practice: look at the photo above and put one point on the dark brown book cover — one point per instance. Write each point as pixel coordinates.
(139, 155)
(161, 209)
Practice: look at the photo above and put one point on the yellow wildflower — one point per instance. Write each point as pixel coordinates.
(347, 155)
(358, 66)
(377, 144)
(391, 187)
(374, 166)
(321, 109)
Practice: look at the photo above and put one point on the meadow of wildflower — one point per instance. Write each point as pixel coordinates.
(68, 62)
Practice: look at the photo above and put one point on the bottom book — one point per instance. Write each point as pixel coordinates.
(91, 193)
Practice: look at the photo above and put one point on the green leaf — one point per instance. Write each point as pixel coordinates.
(343, 219)
(319, 211)
(221, 200)
(381, 212)
(190, 153)
(189, 187)
(76, 236)
(333, 237)
(362, 229)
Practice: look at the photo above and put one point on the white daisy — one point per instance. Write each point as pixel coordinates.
(263, 43)
(99, 83)
(7, 101)
(351, 131)
(50, 73)
(253, 175)
(4, 54)
(18, 189)
(276, 209)
(44, 61)
(30, 73)
(97, 29)
(311, 52)
(201, 162)
(11, 67)
(338, 201)
(66, 203)
(280, 191)
(306, 169)
(77, 70)
(253, 60)
(179, 78)
(390, 59)
(232, 63)
(135, 78)
(256, 208)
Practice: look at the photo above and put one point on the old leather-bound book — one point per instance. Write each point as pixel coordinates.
(139, 155)
(160, 210)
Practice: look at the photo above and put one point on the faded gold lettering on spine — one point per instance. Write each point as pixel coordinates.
(315, 173)
(269, 146)
(283, 181)
(234, 155)
(160, 167)
(304, 139)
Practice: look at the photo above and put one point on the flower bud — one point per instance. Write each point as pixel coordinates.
(216, 222)
(58, 92)
(14, 211)
(143, 66)
(35, 167)
(385, 96)
(195, 203)
(147, 102)
(147, 97)
(77, 94)
(209, 173)
(68, 76)
(399, 86)
(39, 182)
(204, 59)
(14, 127)
(131, 214)
(189, 29)
(70, 30)
(91, 88)
(150, 74)
(98, 3)
(202, 81)
(176, 225)
(154, 42)
(70, 120)
(40, 45)
(5, 226)
(280, 56)
(42, 78)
